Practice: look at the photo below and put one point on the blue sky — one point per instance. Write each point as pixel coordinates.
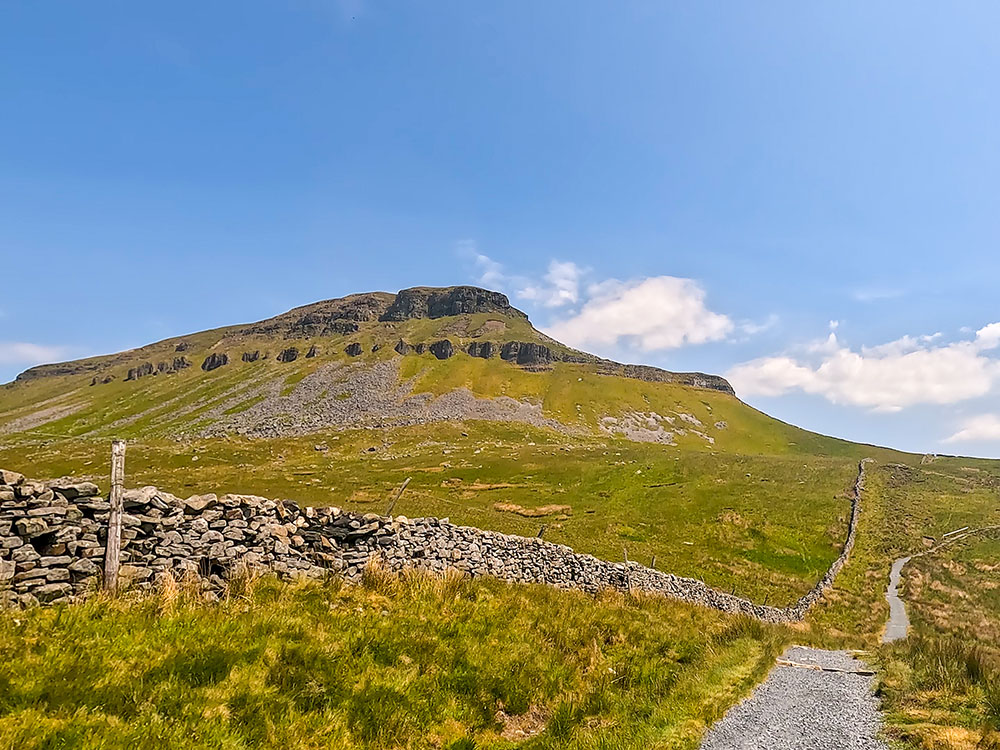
(709, 186)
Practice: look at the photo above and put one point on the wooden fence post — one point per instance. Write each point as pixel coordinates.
(399, 492)
(113, 544)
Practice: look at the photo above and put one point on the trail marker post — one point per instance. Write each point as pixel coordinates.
(113, 545)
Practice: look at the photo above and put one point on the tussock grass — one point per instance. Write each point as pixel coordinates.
(412, 661)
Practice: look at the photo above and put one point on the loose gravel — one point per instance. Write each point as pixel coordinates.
(804, 709)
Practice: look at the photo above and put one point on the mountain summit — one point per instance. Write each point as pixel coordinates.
(375, 359)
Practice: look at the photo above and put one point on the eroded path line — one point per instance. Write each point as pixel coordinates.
(898, 626)
(812, 700)
(899, 622)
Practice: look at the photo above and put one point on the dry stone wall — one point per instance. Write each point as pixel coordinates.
(52, 537)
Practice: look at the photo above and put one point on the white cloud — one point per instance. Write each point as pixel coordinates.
(984, 427)
(562, 285)
(888, 377)
(22, 353)
(661, 312)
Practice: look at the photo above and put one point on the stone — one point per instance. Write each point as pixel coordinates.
(85, 567)
(353, 350)
(402, 347)
(10, 478)
(313, 351)
(288, 355)
(52, 591)
(7, 570)
(214, 361)
(251, 356)
(197, 503)
(55, 560)
(31, 527)
(75, 490)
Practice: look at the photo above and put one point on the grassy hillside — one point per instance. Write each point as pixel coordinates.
(415, 663)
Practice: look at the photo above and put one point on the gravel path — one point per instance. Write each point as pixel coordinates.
(804, 709)
(899, 623)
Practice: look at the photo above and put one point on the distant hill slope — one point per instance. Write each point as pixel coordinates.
(377, 359)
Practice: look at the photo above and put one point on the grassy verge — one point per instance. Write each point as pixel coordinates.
(413, 662)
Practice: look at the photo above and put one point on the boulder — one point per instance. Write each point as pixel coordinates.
(181, 363)
(353, 350)
(214, 361)
(251, 356)
(288, 355)
(313, 351)
(402, 347)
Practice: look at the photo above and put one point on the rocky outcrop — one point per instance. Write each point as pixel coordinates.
(313, 351)
(335, 317)
(439, 302)
(442, 349)
(288, 355)
(214, 361)
(420, 348)
(134, 373)
(183, 346)
(401, 347)
(251, 356)
(527, 354)
(180, 363)
(353, 350)
(482, 349)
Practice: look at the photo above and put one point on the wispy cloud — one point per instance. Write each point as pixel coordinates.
(876, 294)
(983, 428)
(23, 353)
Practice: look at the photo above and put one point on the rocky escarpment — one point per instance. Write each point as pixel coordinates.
(53, 535)
(375, 314)
(440, 302)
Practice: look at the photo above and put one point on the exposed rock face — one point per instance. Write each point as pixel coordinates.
(527, 353)
(442, 349)
(251, 356)
(438, 302)
(288, 355)
(313, 351)
(482, 349)
(134, 373)
(380, 310)
(181, 363)
(353, 350)
(182, 347)
(214, 361)
(327, 318)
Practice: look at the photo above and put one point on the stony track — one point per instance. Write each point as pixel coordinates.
(798, 708)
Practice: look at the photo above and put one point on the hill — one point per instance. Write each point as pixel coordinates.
(329, 404)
